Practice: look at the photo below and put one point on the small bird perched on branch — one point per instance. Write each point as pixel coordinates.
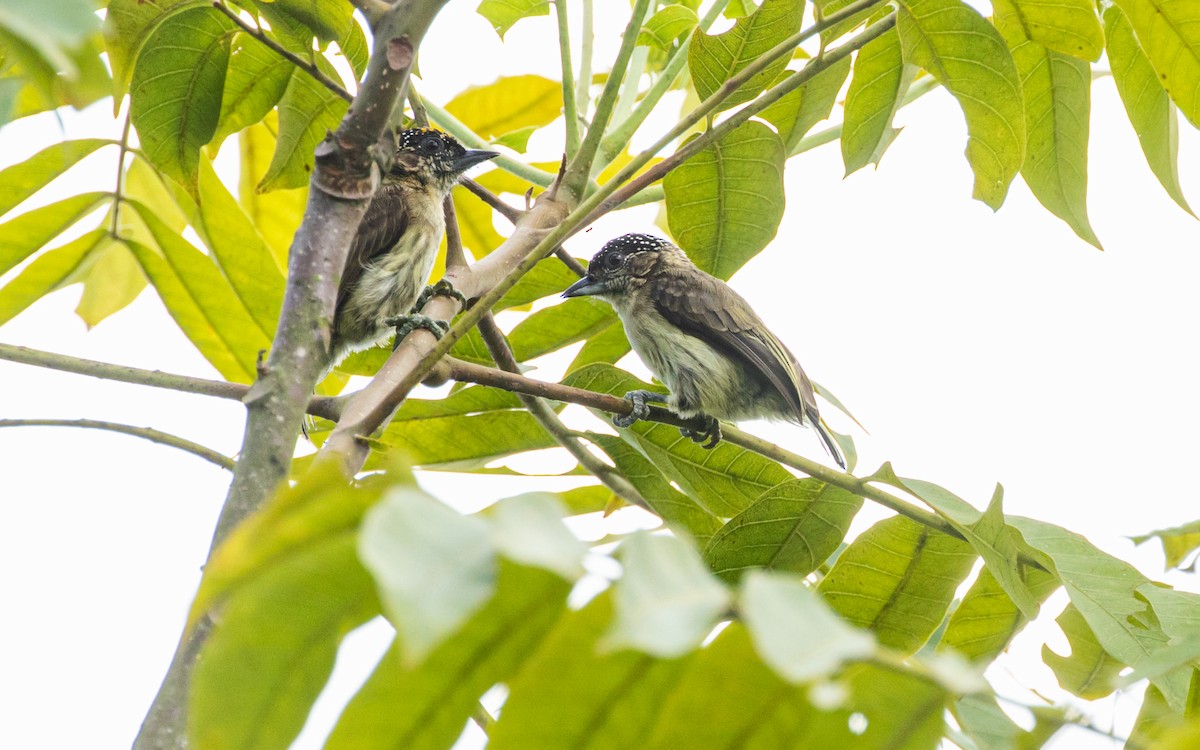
(397, 243)
(700, 338)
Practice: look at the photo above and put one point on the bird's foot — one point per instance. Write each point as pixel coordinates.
(441, 289)
(708, 437)
(406, 324)
(641, 410)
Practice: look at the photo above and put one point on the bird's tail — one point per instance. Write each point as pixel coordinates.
(831, 446)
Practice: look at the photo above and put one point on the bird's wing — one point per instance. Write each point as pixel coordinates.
(706, 308)
(381, 227)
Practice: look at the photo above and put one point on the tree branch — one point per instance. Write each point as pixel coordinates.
(498, 347)
(327, 407)
(349, 166)
(147, 433)
(467, 372)
(487, 196)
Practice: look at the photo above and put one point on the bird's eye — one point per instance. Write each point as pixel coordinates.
(431, 145)
(614, 261)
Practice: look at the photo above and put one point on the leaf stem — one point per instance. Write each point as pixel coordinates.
(580, 166)
(570, 110)
(471, 139)
(119, 189)
(147, 433)
(583, 85)
(307, 66)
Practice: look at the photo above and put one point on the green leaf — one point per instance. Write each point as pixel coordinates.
(1168, 31)
(1177, 542)
(425, 707)
(326, 19)
(502, 14)
(898, 579)
(982, 719)
(112, 281)
(240, 251)
(517, 140)
(465, 441)
(307, 112)
(471, 400)
(22, 180)
(554, 327)
(201, 300)
(982, 625)
(795, 631)
(997, 543)
(1161, 728)
(277, 214)
(1104, 590)
(529, 529)
(793, 527)
(666, 600)
(273, 649)
(724, 204)
(1068, 27)
(966, 54)
(876, 90)
(24, 235)
(665, 27)
(257, 79)
(607, 347)
(1146, 102)
(1089, 671)
(53, 35)
(176, 90)
(724, 481)
(508, 104)
(677, 510)
(127, 26)
(823, 9)
(434, 567)
(599, 699)
(319, 507)
(1057, 92)
(53, 269)
(713, 60)
(801, 108)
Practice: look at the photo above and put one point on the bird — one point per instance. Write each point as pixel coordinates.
(701, 339)
(392, 254)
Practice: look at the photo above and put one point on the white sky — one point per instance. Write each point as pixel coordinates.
(976, 347)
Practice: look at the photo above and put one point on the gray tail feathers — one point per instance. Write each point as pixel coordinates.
(827, 440)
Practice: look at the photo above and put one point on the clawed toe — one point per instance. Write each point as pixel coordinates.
(406, 324)
(641, 409)
(442, 288)
(708, 438)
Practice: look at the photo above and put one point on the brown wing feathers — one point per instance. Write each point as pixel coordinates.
(381, 227)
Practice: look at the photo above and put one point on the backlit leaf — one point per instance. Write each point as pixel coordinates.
(793, 527)
(897, 579)
(47, 273)
(662, 29)
(801, 108)
(713, 60)
(561, 325)
(1089, 671)
(1069, 27)
(276, 214)
(112, 281)
(966, 54)
(529, 529)
(1169, 33)
(724, 204)
(307, 112)
(986, 620)
(127, 26)
(876, 90)
(24, 235)
(1178, 543)
(256, 80)
(502, 14)
(177, 87)
(508, 104)
(22, 180)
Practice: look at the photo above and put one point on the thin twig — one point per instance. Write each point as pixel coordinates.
(327, 407)
(569, 261)
(487, 196)
(147, 433)
(570, 110)
(502, 353)
(119, 189)
(308, 67)
(420, 115)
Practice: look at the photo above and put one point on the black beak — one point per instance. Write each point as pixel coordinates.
(472, 157)
(585, 287)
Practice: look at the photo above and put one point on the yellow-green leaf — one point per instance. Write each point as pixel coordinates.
(713, 60)
(256, 81)
(502, 14)
(1150, 110)
(276, 214)
(22, 180)
(987, 619)
(24, 235)
(966, 54)
(112, 281)
(879, 82)
(724, 204)
(1169, 33)
(1069, 27)
(176, 89)
(307, 112)
(801, 108)
(48, 272)
(508, 104)
(1057, 93)
(127, 26)
(666, 26)
(1088, 671)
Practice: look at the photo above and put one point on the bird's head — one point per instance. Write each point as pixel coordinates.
(624, 265)
(434, 157)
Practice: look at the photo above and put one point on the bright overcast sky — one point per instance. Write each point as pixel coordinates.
(975, 347)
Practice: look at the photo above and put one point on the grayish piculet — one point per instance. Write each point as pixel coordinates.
(397, 242)
(700, 338)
